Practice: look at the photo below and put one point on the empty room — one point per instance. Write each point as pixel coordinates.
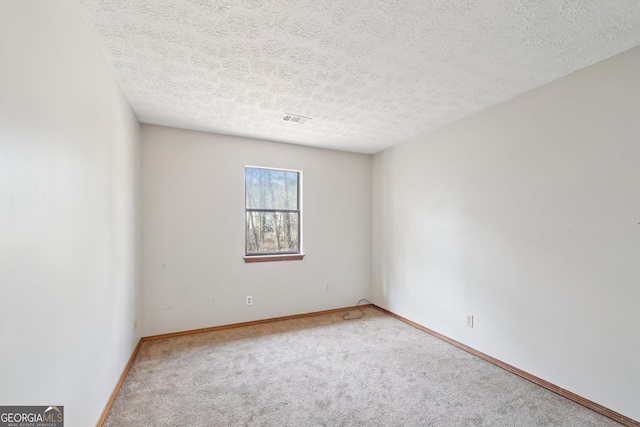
(309, 212)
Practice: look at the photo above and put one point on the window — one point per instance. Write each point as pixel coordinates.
(273, 214)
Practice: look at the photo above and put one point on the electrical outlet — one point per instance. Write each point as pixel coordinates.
(470, 320)
(249, 300)
(135, 324)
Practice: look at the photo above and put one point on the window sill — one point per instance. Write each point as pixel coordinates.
(269, 258)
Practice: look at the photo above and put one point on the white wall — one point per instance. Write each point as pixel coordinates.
(194, 275)
(69, 215)
(527, 216)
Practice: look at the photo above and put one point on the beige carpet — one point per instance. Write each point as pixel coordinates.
(325, 371)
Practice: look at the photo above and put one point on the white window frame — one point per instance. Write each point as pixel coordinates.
(258, 257)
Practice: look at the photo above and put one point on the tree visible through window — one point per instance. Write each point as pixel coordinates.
(272, 201)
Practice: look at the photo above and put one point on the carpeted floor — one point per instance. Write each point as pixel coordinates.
(325, 371)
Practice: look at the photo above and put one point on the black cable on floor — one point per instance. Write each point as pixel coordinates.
(357, 307)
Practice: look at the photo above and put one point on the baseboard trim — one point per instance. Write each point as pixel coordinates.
(629, 422)
(250, 323)
(116, 389)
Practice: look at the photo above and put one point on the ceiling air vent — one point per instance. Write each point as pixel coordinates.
(292, 118)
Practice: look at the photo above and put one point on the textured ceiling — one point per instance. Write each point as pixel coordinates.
(370, 73)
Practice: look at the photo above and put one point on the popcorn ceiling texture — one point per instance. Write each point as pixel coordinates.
(371, 73)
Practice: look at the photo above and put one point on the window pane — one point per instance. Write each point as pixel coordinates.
(272, 232)
(271, 189)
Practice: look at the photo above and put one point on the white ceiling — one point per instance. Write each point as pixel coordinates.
(370, 73)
